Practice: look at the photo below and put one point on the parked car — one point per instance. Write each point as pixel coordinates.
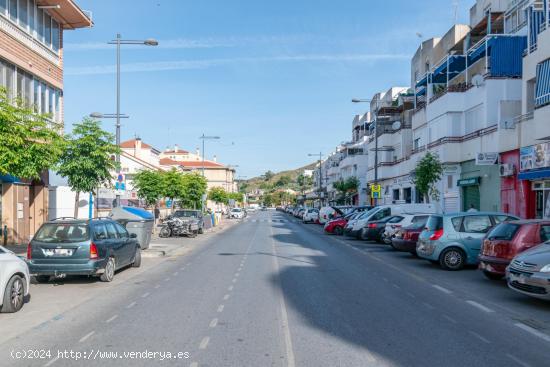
(529, 272)
(192, 217)
(508, 239)
(310, 215)
(454, 240)
(406, 238)
(374, 230)
(383, 211)
(327, 213)
(236, 213)
(96, 247)
(408, 220)
(14, 281)
(337, 225)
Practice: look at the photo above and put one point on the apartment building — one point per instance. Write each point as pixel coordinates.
(31, 67)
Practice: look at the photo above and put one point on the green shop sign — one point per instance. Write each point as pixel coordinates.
(469, 181)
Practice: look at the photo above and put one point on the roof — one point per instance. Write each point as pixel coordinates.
(200, 164)
(180, 151)
(169, 162)
(69, 14)
(132, 143)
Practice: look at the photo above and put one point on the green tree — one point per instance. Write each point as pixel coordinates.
(29, 142)
(237, 196)
(283, 181)
(346, 188)
(268, 175)
(172, 186)
(218, 195)
(428, 171)
(267, 200)
(86, 160)
(194, 187)
(149, 185)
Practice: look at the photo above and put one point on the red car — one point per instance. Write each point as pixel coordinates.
(508, 239)
(406, 238)
(336, 225)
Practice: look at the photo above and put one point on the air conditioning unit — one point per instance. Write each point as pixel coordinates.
(506, 169)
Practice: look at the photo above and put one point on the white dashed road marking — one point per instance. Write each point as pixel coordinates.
(226, 297)
(533, 331)
(194, 364)
(111, 319)
(204, 343)
(442, 289)
(518, 361)
(213, 323)
(85, 337)
(450, 319)
(157, 286)
(230, 288)
(51, 362)
(220, 308)
(145, 295)
(479, 306)
(131, 305)
(428, 306)
(480, 337)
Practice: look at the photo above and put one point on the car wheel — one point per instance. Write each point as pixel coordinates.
(137, 258)
(362, 235)
(452, 259)
(109, 273)
(165, 232)
(192, 234)
(14, 296)
(42, 278)
(493, 276)
(201, 231)
(338, 231)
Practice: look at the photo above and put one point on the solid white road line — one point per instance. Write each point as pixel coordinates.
(111, 319)
(204, 343)
(533, 331)
(518, 361)
(480, 306)
(131, 305)
(442, 289)
(480, 337)
(220, 308)
(51, 362)
(213, 323)
(85, 337)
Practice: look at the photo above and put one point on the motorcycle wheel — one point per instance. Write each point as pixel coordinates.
(165, 232)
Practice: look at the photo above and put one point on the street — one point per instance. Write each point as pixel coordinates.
(271, 291)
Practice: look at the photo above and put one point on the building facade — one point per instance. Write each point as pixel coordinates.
(31, 68)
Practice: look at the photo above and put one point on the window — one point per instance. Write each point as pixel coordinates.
(544, 233)
(122, 232)
(62, 233)
(40, 24)
(111, 231)
(51, 99)
(13, 10)
(449, 181)
(457, 223)
(419, 220)
(23, 14)
(503, 231)
(476, 224)
(43, 98)
(32, 25)
(395, 219)
(36, 102)
(55, 36)
(416, 143)
(3, 6)
(501, 218)
(381, 214)
(47, 29)
(542, 92)
(100, 232)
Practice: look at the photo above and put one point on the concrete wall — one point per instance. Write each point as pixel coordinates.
(489, 188)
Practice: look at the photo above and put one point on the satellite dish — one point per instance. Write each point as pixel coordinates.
(478, 80)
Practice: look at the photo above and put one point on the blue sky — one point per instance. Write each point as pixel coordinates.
(274, 79)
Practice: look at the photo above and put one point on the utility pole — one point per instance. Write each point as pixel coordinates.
(320, 154)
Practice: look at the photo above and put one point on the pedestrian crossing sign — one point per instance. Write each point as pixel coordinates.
(375, 191)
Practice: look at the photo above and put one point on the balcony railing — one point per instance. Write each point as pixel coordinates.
(460, 139)
(525, 117)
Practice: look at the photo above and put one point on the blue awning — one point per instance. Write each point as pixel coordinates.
(422, 82)
(534, 175)
(421, 92)
(476, 54)
(9, 179)
(542, 93)
(451, 67)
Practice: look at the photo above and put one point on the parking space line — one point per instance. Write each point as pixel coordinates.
(85, 337)
(213, 323)
(220, 308)
(518, 361)
(111, 319)
(145, 295)
(480, 306)
(479, 337)
(51, 362)
(204, 342)
(449, 318)
(442, 289)
(131, 305)
(533, 331)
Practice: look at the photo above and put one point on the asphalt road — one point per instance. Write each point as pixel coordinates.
(274, 292)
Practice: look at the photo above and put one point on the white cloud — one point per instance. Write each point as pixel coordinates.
(207, 63)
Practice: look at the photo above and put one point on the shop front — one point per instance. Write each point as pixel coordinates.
(480, 186)
(535, 171)
(516, 195)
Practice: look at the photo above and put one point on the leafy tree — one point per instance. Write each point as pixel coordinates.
(304, 182)
(173, 185)
(346, 188)
(86, 160)
(29, 143)
(149, 185)
(237, 196)
(194, 187)
(267, 200)
(268, 175)
(218, 195)
(283, 181)
(428, 171)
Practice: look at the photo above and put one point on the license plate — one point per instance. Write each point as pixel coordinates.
(58, 252)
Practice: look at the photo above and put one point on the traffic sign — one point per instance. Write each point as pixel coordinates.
(376, 191)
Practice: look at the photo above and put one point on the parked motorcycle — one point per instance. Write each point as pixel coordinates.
(174, 227)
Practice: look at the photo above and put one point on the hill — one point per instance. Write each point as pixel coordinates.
(283, 179)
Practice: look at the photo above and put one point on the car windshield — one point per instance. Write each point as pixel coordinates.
(504, 231)
(63, 233)
(434, 223)
(367, 213)
(186, 213)
(236, 210)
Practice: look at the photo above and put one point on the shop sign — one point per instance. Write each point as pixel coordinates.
(534, 157)
(486, 159)
(469, 181)
(450, 169)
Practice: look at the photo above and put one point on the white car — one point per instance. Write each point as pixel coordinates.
(384, 211)
(236, 213)
(310, 215)
(408, 220)
(14, 281)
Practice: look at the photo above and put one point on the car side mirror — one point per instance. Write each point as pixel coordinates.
(133, 235)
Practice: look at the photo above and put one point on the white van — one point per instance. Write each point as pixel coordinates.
(383, 211)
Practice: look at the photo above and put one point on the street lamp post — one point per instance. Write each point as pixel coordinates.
(375, 138)
(320, 175)
(118, 42)
(203, 138)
